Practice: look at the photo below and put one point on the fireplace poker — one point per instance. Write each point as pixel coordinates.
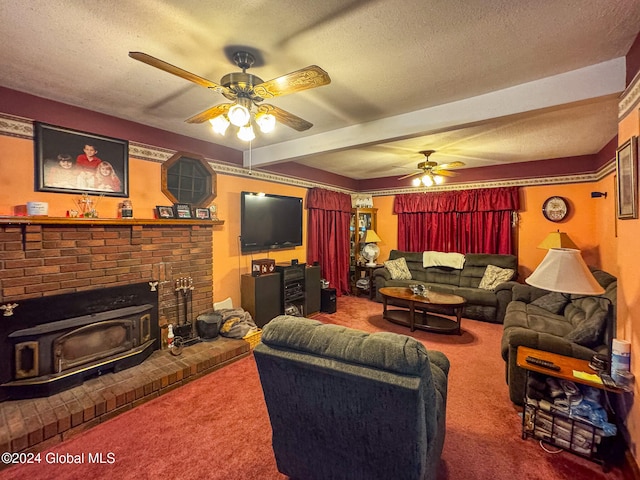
(185, 287)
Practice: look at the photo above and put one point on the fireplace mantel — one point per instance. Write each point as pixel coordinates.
(79, 221)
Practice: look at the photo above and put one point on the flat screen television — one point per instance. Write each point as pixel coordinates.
(269, 222)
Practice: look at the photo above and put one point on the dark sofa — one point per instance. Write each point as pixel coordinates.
(481, 304)
(571, 325)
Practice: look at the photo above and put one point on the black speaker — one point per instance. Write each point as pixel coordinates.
(312, 290)
(328, 300)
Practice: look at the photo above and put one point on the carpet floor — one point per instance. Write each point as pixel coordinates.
(217, 427)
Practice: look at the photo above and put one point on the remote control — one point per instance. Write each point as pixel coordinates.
(607, 380)
(542, 363)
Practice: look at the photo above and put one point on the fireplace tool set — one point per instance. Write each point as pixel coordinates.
(185, 331)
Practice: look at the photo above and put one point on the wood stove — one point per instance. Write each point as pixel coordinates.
(52, 343)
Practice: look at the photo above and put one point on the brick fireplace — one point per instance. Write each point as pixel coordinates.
(43, 258)
(48, 256)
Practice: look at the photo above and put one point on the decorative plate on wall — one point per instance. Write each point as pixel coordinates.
(555, 209)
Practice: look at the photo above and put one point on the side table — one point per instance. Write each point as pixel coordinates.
(368, 273)
(551, 425)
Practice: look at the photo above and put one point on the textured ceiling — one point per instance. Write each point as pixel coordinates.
(486, 82)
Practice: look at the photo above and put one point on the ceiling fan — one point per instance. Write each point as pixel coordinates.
(430, 172)
(246, 92)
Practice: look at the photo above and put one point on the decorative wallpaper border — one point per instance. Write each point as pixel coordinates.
(13, 126)
(630, 98)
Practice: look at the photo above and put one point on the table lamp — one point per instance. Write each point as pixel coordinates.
(557, 239)
(371, 251)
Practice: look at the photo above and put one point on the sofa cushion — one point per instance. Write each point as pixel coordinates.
(398, 269)
(475, 265)
(553, 302)
(520, 314)
(442, 275)
(588, 316)
(476, 296)
(494, 276)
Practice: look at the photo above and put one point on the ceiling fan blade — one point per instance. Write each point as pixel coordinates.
(455, 164)
(411, 175)
(444, 173)
(303, 79)
(286, 118)
(210, 113)
(167, 67)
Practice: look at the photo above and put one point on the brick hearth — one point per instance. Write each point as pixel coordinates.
(37, 424)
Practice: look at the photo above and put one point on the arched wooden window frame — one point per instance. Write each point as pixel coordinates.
(209, 175)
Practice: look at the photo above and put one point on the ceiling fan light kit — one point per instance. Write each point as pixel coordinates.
(428, 180)
(431, 173)
(239, 112)
(247, 91)
(220, 124)
(246, 133)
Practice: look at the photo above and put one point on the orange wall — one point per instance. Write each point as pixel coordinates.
(581, 225)
(386, 226)
(629, 286)
(17, 188)
(228, 263)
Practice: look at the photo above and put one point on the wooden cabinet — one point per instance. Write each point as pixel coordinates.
(362, 219)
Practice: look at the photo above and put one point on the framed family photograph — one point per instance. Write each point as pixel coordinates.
(70, 161)
(182, 210)
(165, 212)
(627, 178)
(202, 213)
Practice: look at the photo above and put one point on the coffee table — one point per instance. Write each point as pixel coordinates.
(423, 308)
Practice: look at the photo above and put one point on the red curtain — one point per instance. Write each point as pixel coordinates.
(328, 235)
(467, 221)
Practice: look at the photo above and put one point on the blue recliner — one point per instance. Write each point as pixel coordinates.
(346, 404)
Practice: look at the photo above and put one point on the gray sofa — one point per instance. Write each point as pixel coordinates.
(571, 325)
(348, 404)
(481, 304)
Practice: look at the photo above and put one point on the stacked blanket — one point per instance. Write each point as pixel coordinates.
(236, 323)
(557, 402)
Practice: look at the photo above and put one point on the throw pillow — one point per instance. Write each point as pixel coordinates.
(398, 269)
(589, 332)
(226, 303)
(553, 302)
(494, 276)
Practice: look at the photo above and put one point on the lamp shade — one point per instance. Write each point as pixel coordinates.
(563, 270)
(557, 240)
(371, 237)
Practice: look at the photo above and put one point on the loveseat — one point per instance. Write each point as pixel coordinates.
(463, 279)
(348, 404)
(570, 325)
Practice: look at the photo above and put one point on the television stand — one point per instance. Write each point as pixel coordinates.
(293, 289)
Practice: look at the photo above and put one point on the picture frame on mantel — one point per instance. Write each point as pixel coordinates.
(182, 210)
(71, 161)
(627, 179)
(165, 212)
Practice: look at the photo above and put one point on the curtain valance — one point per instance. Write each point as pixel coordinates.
(479, 200)
(321, 199)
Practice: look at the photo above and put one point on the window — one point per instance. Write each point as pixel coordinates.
(188, 178)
